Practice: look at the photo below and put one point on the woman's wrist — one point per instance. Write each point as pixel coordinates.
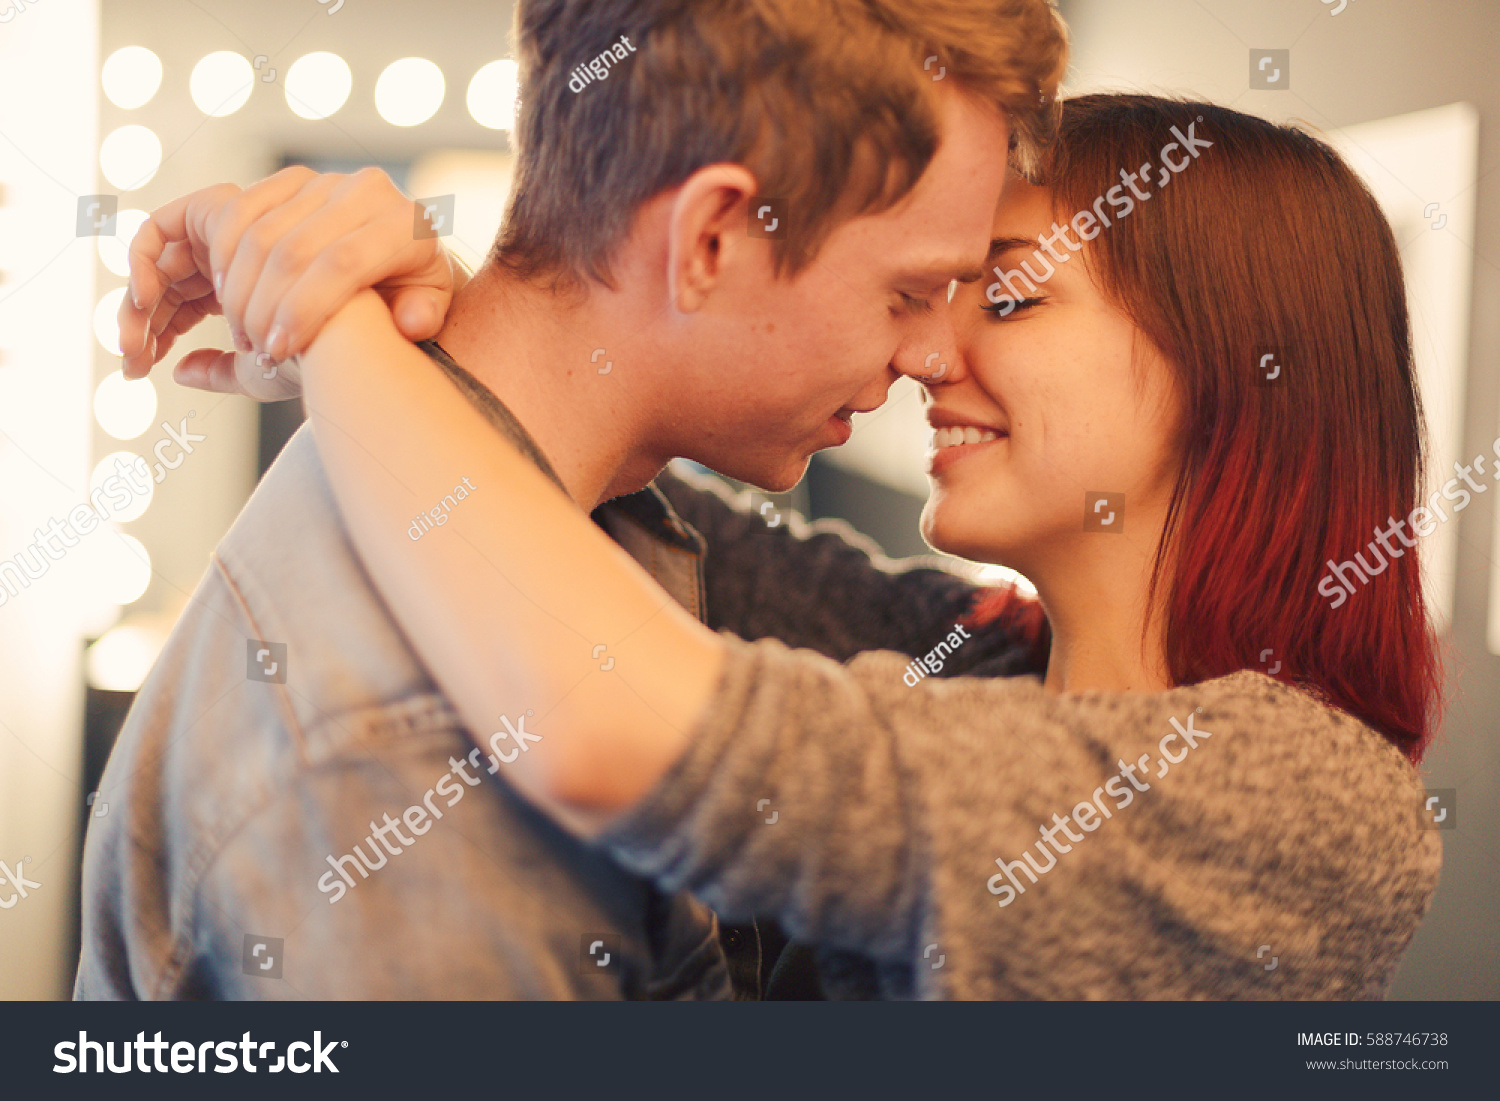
(358, 326)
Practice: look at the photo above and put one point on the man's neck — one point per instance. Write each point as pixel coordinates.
(536, 351)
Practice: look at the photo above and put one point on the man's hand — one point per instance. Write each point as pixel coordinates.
(278, 260)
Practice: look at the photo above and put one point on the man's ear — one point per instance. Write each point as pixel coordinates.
(707, 220)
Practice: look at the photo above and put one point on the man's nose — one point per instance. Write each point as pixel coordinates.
(930, 355)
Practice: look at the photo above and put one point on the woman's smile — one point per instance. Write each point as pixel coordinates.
(951, 445)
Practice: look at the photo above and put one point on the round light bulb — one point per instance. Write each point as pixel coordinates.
(409, 92)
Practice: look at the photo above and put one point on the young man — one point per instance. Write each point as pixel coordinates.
(752, 263)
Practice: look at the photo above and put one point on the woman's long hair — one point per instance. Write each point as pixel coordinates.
(1265, 250)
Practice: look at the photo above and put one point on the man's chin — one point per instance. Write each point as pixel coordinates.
(768, 477)
(783, 484)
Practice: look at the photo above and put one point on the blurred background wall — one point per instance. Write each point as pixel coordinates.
(140, 102)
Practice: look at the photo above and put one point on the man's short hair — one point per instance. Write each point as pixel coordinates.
(829, 103)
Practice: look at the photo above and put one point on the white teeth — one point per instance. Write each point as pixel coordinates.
(958, 436)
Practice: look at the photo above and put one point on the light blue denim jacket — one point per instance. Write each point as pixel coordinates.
(288, 716)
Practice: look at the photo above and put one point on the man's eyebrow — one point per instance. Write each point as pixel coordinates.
(943, 271)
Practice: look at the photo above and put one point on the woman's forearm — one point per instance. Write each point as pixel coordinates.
(508, 601)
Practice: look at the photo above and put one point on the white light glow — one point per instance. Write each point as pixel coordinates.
(120, 660)
(114, 252)
(125, 496)
(50, 66)
(107, 320)
(97, 618)
(492, 95)
(128, 574)
(221, 83)
(131, 77)
(124, 408)
(129, 157)
(481, 181)
(409, 92)
(990, 574)
(317, 85)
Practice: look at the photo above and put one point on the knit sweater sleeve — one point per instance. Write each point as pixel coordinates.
(1231, 839)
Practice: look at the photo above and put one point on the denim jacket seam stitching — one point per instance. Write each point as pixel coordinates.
(381, 724)
(282, 693)
(207, 852)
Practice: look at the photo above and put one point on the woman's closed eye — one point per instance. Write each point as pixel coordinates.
(1007, 306)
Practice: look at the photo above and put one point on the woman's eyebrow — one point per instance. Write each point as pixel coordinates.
(1001, 245)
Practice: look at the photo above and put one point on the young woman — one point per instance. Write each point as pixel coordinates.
(1218, 354)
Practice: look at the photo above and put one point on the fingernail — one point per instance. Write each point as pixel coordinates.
(218, 282)
(135, 296)
(276, 343)
(241, 341)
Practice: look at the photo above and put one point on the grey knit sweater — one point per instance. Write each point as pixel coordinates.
(1231, 839)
